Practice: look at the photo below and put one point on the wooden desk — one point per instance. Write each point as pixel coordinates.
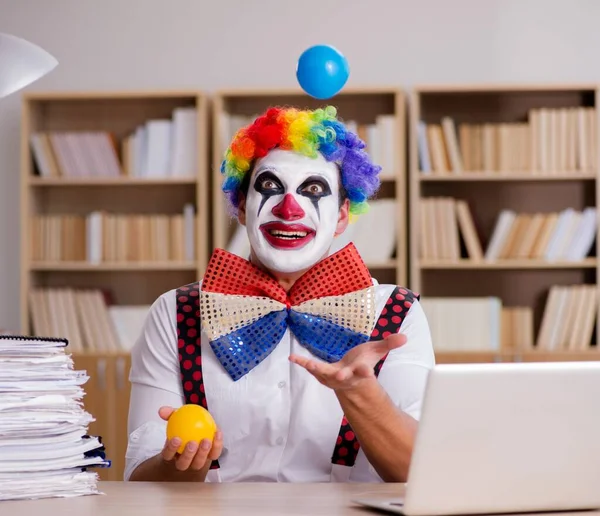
(178, 499)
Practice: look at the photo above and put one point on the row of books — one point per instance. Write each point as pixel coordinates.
(445, 222)
(160, 148)
(477, 324)
(484, 324)
(550, 141)
(381, 137)
(569, 318)
(85, 318)
(567, 235)
(107, 237)
(75, 154)
(164, 147)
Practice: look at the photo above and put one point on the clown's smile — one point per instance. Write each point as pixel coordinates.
(287, 236)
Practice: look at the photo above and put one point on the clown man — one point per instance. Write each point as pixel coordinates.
(312, 370)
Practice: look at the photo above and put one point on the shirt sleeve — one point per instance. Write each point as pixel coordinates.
(405, 371)
(154, 378)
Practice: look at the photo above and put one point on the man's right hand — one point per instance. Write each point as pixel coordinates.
(196, 456)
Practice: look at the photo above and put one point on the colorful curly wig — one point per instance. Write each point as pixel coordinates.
(306, 132)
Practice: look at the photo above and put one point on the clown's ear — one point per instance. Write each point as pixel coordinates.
(21, 63)
(242, 210)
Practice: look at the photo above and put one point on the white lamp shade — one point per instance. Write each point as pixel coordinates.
(21, 63)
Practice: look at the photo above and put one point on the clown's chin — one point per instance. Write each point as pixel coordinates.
(288, 256)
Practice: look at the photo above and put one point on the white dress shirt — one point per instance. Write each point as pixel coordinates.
(279, 423)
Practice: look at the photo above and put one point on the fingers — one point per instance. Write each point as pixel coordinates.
(217, 446)
(165, 412)
(316, 368)
(170, 449)
(301, 361)
(195, 455)
(391, 342)
(357, 364)
(185, 460)
(201, 458)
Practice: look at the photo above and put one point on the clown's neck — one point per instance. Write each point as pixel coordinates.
(285, 279)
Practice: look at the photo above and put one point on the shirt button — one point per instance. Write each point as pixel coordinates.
(281, 385)
(279, 440)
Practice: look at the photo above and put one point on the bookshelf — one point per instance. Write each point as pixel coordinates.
(500, 178)
(148, 160)
(378, 115)
(114, 210)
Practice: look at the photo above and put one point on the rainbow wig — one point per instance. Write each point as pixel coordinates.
(306, 132)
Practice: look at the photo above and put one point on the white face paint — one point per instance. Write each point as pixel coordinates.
(292, 210)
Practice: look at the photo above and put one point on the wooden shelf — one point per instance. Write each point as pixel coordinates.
(349, 91)
(557, 356)
(507, 264)
(112, 181)
(504, 88)
(508, 176)
(451, 356)
(114, 267)
(390, 264)
(505, 127)
(108, 95)
(119, 113)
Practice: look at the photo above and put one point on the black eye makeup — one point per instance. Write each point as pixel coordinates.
(314, 188)
(267, 184)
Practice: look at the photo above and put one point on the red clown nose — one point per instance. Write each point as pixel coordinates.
(288, 209)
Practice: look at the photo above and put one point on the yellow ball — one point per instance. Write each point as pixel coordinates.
(191, 423)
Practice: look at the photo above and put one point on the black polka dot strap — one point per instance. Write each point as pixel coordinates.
(389, 322)
(190, 349)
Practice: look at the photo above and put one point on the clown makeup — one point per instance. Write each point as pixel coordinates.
(292, 210)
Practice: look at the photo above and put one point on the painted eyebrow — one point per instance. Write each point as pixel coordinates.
(267, 172)
(266, 168)
(314, 178)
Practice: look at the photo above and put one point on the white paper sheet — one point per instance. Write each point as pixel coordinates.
(44, 442)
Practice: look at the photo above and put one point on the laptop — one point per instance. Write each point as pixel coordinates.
(505, 438)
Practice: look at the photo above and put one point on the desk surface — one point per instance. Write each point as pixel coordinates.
(199, 499)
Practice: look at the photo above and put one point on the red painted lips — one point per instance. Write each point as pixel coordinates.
(287, 236)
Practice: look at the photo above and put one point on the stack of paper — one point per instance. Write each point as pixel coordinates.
(44, 446)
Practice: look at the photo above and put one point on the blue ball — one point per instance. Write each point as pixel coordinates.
(322, 71)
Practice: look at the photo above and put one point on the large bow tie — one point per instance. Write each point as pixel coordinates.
(245, 312)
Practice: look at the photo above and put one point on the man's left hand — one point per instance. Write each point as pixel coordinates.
(356, 365)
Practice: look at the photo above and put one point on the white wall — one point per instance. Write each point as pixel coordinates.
(127, 44)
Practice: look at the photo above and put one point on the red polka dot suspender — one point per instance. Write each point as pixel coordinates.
(397, 306)
(190, 355)
(190, 349)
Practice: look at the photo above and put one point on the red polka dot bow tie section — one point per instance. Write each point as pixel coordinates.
(245, 312)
